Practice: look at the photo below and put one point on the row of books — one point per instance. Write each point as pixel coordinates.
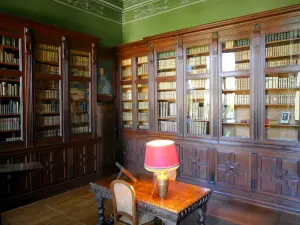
(142, 95)
(126, 62)
(166, 74)
(78, 130)
(143, 126)
(201, 83)
(292, 81)
(283, 50)
(47, 108)
(165, 54)
(127, 116)
(143, 116)
(9, 41)
(127, 96)
(242, 66)
(232, 83)
(143, 69)
(10, 123)
(11, 139)
(167, 64)
(143, 105)
(196, 94)
(198, 111)
(10, 79)
(13, 107)
(282, 62)
(43, 68)
(47, 133)
(166, 85)
(282, 36)
(198, 60)
(8, 89)
(47, 120)
(80, 61)
(46, 56)
(80, 118)
(128, 105)
(46, 84)
(242, 55)
(9, 58)
(143, 59)
(167, 126)
(198, 128)
(166, 110)
(79, 72)
(200, 49)
(230, 99)
(79, 107)
(166, 95)
(281, 99)
(47, 47)
(192, 71)
(236, 43)
(47, 94)
(126, 72)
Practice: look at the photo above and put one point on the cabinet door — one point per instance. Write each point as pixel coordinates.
(187, 162)
(201, 165)
(233, 169)
(86, 159)
(279, 175)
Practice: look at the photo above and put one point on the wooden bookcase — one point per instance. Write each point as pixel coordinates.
(236, 88)
(47, 109)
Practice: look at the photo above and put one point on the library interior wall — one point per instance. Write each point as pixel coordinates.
(204, 12)
(53, 13)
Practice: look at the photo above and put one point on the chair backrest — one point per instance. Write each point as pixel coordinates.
(124, 201)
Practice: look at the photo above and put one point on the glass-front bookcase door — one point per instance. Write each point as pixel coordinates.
(235, 83)
(11, 98)
(142, 102)
(282, 85)
(126, 93)
(198, 90)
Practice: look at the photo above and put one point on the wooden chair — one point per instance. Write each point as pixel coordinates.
(124, 205)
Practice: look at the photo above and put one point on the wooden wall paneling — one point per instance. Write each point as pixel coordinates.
(233, 168)
(128, 146)
(140, 147)
(187, 162)
(201, 165)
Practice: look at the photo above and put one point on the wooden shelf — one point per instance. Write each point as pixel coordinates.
(144, 110)
(80, 100)
(127, 120)
(282, 56)
(129, 65)
(8, 80)
(282, 69)
(237, 124)
(236, 49)
(242, 61)
(239, 105)
(9, 64)
(80, 67)
(80, 78)
(80, 124)
(198, 65)
(171, 89)
(282, 125)
(197, 120)
(142, 100)
(47, 99)
(46, 76)
(196, 99)
(139, 64)
(166, 79)
(10, 115)
(168, 118)
(236, 73)
(80, 112)
(47, 62)
(126, 110)
(47, 114)
(7, 131)
(197, 88)
(142, 121)
(166, 100)
(9, 47)
(197, 54)
(197, 76)
(47, 127)
(282, 89)
(9, 97)
(234, 91)
(166, 57)
(166, 69)
(280, 105)
(127, 100)
(282, 41)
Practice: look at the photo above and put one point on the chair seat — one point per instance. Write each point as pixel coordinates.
(143, 218)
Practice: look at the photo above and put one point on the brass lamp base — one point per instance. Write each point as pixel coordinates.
(162, 182)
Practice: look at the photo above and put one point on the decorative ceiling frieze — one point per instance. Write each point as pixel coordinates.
(127, 11)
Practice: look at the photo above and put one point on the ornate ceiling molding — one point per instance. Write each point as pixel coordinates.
(127, 11)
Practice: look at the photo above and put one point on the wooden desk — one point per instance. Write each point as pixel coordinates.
(182, 200)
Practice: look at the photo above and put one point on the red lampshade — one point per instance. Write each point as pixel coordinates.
(161, 155)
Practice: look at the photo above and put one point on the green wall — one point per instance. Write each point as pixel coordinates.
(51, 12)
(204, 12)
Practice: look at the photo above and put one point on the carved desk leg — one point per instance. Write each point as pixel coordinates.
(201, 215)
(101, 218)
(168, 222)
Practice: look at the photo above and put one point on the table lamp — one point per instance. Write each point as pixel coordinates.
(161, 156)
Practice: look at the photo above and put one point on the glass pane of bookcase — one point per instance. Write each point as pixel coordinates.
(198, 106)
(142, 68)
(79, 63)
(10, 109)
(197, 60)
(80, 108)
(283, 49)
(126, 105)
(142, 106)
(126, 70)
(46, 59)
(236, 55)
(9, 53)
(166, 64)
(236, 107)
(47, 109)
(282, 106)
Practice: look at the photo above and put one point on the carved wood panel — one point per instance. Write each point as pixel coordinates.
(85, 159)
(279, 176)
(187, 162)
(233, 169)
(201, 165)
(140, 147)
(128, 153)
